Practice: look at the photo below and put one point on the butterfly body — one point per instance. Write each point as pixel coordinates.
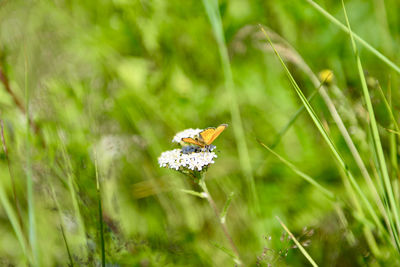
(206, 137)
(196, 149)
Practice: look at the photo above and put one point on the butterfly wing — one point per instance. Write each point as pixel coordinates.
(207, 134)
(193, 141)
(210, 134)
(217, 132)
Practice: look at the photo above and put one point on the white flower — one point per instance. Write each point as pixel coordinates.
(175, 159)
(188, 133)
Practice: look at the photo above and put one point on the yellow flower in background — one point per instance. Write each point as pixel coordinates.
(326, 76)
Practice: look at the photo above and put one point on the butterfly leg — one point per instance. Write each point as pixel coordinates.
(209, 148)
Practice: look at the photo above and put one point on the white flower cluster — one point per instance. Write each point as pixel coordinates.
(175, 159)
(189, 157)
(188, 133)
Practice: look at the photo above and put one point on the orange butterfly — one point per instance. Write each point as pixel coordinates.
(207, 136)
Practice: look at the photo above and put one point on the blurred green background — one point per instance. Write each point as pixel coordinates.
(115, 80)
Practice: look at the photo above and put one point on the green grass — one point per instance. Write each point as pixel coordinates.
(298, 244)
(214, 16)
(378, 150)
(91, 93)
(360, 197)
(29, 178)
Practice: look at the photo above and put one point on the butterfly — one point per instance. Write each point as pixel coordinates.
(206, 137)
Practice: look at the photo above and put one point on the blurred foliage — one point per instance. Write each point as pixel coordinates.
(117, 79)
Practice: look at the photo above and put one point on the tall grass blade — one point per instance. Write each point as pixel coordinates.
(342, 218)
(375, 134)
(388, 108)
(328, 140)
(356, 37)
(393, 148)
(101, 227)
(214, 16)
(74, 196)
(29, 182)
(226, 251)
(16, 203)
(14, 222)
(296, 59)
(306, 177)
(292, 120)
(392, 139)
(305, 253)
(15, 218)
(71, 262)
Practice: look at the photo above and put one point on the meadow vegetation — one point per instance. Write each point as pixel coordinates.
(92, 92)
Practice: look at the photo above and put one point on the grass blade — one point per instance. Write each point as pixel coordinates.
(214, 16)
(356, 37)
(29, 182)
(323, 91)
(375, 134)
(226, 207)
(14, 217)
(16, 203)
(14, 222)
(71, 262)
(74, 196)
(227, 252)
(292, 120)
(305, 253)
(3, 141)
(328, 140)
(393, 148)
(101, 227)
(306, 177)
(392, 137)
(388, 108)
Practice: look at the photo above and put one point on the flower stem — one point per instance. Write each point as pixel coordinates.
(207, 195)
